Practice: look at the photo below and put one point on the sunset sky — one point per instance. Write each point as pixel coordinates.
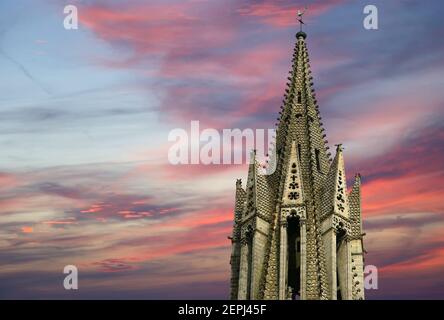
(85, 116)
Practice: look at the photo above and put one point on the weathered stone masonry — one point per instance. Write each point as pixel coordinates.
(297, 232)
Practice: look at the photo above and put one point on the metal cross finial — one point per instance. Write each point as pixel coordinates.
(300, 14)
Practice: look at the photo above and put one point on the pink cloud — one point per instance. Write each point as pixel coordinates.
(193, 232)
(154, 28)
(412, 193)
(8, 180)
(95, 208)
(114, 265)
(432, 260)
(284, 13)
(248, 63)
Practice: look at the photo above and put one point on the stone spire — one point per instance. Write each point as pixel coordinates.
(294, 232)
(355, 207)
(335, 189)
(300, 118)
(300, 125)
(356, 240)
(235, 238)
(251, 191)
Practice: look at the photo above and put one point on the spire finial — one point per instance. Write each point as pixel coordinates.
(299, 18)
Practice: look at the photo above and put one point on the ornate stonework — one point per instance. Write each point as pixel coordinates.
(297, 232)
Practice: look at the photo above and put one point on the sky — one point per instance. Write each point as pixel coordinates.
(85, 116)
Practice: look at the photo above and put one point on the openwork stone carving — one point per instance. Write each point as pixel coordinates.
(293, 186)
(340, 223)
(246, 233)
(340, 193)
(297, 211)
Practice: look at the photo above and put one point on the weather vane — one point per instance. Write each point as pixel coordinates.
(300, 14)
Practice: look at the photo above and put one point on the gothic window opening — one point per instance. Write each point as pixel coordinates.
(338, 286)
(249, 236)
(294, 256)
(318, 162)
(340, 237)
(299, 97)
(299, 152)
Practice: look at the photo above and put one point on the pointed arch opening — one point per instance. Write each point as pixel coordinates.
(340, 237)
(318, 162)
(294, 255)
(249, 236)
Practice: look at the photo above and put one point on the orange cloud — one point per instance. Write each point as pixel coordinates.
(61, 221)
(27, 229)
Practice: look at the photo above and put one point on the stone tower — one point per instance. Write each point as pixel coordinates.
(297, 231)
